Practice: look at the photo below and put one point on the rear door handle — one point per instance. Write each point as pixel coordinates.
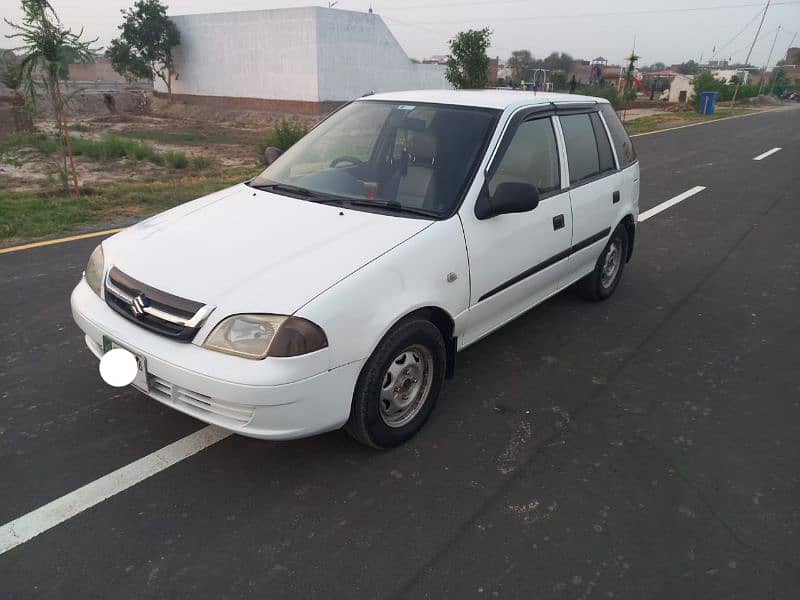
(558, 222)
(615, 197)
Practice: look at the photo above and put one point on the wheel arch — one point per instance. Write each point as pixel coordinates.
(630, 229)
(444, 323)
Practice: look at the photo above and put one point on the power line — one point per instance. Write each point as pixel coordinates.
(621, 13)
(730, 41)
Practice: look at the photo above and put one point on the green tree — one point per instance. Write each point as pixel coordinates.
(10, 73)
(44, 44)
(468, 64)
(144, 49)
(779, 80)
(689, 67)
(656, 66)
(630, 71)
(520, 63)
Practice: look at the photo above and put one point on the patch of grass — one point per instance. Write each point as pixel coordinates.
(26, 215)
(38, 142)
(111, 148)
(664, 121)
(79, 127)
(284, 136)
(185, 137)
(176, 159)
(197, 162)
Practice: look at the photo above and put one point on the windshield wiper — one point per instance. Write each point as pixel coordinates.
(395, 207)
(284, 187)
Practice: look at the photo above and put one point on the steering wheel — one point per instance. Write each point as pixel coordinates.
(346, 159)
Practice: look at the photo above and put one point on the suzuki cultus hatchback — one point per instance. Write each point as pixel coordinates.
(335, 288)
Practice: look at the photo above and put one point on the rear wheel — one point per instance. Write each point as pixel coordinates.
(399, 385)
(601, 283)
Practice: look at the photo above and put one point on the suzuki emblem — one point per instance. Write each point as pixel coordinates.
(138, 305)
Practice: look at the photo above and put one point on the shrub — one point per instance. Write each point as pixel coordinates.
(176, 159)
(111, 148)
(198, 162)
(609, 92)
(284, 136)
(706, 82)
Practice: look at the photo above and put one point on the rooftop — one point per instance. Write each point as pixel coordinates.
(501, 99)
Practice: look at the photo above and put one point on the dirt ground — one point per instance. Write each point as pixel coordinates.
(223, 138)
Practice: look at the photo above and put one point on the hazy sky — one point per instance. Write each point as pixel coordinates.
(665, 31)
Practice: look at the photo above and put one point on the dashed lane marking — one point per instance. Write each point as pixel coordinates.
(669, 203)
(766, 154)
(28, 526)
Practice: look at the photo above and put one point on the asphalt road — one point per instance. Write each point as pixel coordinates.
(646, 447)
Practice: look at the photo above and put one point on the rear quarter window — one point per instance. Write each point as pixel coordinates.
(622, 143)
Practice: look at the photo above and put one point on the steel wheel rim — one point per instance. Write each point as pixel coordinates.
(610, 265)
(405, 386)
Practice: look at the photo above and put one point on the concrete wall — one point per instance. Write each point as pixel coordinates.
(357, 53)
(251, 54)
(98, 71)
(308, 54)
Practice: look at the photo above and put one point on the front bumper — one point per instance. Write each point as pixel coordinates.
(243, 396)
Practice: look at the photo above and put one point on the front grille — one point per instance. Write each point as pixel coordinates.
(200, 405)
(154, 309)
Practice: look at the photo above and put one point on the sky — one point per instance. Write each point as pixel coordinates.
(669, 32)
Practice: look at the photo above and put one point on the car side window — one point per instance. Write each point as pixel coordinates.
(603, 145)
(582, 156)
(531, 157)
(625, 150)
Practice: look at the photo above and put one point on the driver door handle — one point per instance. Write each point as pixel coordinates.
(558, 222)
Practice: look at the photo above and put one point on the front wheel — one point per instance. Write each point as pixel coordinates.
(601, 283)
(399, 385)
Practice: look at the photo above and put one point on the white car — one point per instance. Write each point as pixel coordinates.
(336, 287)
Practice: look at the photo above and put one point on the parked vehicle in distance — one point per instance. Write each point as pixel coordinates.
(336, 287)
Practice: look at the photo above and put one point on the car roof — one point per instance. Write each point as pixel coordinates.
(501, 99)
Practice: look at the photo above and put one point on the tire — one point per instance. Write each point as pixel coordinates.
(599, 285)
(411, 358)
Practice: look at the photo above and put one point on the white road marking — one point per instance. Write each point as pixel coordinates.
(766, 154)
(671, 202)
(28, 526)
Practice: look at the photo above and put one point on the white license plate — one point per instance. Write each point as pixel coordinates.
(140, 381)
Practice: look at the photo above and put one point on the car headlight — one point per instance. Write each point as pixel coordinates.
(94, 269)
(259, 336)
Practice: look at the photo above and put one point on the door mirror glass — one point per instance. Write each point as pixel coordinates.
(510, 197)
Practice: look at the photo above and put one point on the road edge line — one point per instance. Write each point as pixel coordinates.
(72, 238)
(752, 114)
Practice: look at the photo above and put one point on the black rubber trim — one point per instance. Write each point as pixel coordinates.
(161, 299)
(547, 263)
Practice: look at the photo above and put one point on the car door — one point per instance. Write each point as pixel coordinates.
(517, 260)
(594, 188)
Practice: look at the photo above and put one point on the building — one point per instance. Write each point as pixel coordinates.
(295, 59)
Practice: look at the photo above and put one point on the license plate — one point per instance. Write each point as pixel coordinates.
(140, 381)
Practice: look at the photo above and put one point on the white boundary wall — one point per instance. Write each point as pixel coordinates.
(309, 54)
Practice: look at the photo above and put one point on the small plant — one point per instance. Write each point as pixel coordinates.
(284, 136)
(80, 127)
(176, 159)
(198, 163)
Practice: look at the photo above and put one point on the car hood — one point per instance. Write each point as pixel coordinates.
(245, 250)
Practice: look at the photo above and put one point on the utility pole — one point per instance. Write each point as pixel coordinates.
(772, 86)
(747, 60)
(769, 58)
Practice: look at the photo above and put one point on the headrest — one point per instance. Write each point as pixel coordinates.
(422, 148)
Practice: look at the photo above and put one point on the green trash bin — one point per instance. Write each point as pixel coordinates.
(708, 103)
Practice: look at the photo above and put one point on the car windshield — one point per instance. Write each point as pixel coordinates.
(415, 158)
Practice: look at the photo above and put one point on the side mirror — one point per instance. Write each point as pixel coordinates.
(509, 197)
(271, 154)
